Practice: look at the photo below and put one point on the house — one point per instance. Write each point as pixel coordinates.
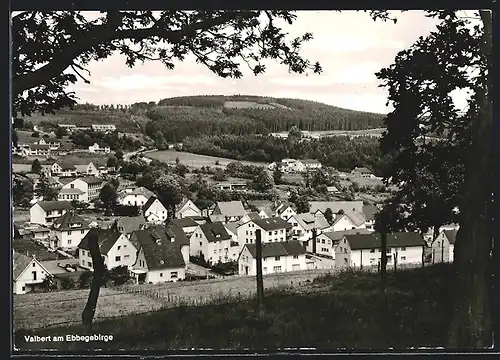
(200, 220)
(40, 150)
(71, 194)
(276, 257)
(53, 144)
(28, 273)
(328, 240)
(332, 189)
(187, 208)
(40, 233)
(291, 165)
(90, 186)
(362, 172)
(154, 211)
(273, 229)
(188, 225)
(443, 247)
(96, 149)
(103, 127)
(135, 197)
(45, 212)
(214, 243)
(348, 221)
(66, 170)
(310, 164)
(360, 250)
(68, 230)
(321, 206)
(302, 226)
(232, 186)
(232, 229)
(157, 260)
(116, 250)
(228, 211)
(128, 224)
(87, 169)
(250, 216)
(173, 234)
(369, 212)
(283, 210)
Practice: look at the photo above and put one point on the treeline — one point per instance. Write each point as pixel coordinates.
(340, 152)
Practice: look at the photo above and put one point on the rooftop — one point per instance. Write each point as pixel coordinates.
(272, 249)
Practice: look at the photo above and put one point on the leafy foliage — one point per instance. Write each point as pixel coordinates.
(36, 167)
(108, 195)
(44, 190)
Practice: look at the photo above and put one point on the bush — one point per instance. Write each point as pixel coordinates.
(85, 280)
(118, 275)
(67, 283)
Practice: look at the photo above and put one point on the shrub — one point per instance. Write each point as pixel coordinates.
(85, 280)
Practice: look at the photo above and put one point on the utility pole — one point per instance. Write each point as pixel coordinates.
(258, 262)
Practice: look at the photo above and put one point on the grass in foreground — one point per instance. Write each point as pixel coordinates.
(351, 312)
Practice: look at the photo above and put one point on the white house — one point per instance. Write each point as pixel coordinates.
(65, 170)
(39, 150)
(99, 150)
(369, 212)
(292, 165)
(116, 250)
(53, 144)
(362, 172)
(157, 260)
(128, 224)
(103, 127)
(327, 241)
(27, 274)
(310, 164)
(443, 247)
(283, 210)
(135, 197)
(87, 169)
(154, 211)
(68, 231)
(187, 208)
(276, 257)
(188, 225)
(214, 243)
(349, 220)
(303, 225)
(45, 212)
(90, 186)
(364, 249)
(228, 211)
(335, 206)
(272, 230)
(170, 233)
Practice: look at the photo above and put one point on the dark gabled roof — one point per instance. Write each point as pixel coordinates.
(67, 219)
(167, 233)
(66, 166)
(130, 223)
(372, 241)
(369, 211)
(254, 215)
(91, 180)
(231, 208)
(150, 202)
(362, 170)
(272, 223)
(450, 235)
(338, 235)
(106, 239)
(165, 255)
(283, 248)
(55, 205)
(215, 232)
(20, 263)
(185, 222)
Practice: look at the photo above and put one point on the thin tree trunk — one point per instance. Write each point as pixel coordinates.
(258, 263)
(471, 325)
(383, 260)
(98, 275)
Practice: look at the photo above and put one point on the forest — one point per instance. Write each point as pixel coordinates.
(340, 152)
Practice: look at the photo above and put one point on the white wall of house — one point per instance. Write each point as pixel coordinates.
(198, 244)
(185, 253)
(33, 275)
(270, 265)
(285, 215)
(70, 239)
(39, 216)
(344, 223)
(165, 275)
(122, 253)
(371, 257)
(324, 246)
(134, 200)
(442, 250)
(246, 234)
(222, 251)
(189, 209)
(156, 212)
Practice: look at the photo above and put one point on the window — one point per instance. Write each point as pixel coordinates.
(246, 232)
(295, 256)
(281, 231)
(403, 257)
(161, 274)
(69, 232)
(119, 247)
(118, 258)
(126, 256)
(173, 275)
(83, 262)
(403, 249)
(276, 232)
(34, 264)
(276, 268)
(277, 258)
(72, 186)
(281, 239)
(89, 263)
(270, 233)
(125, 246)
(345, 250)
(318, 240)
(322, 241)
(34, 275)
(69, 241)
(372, 250)
(82, 231)
(23, 288)
(201, 243)
(388, 250)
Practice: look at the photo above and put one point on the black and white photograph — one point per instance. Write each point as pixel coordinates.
(251, 180)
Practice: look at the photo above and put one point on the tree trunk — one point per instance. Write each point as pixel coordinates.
(471, 325)
(258, 264)
(383, 260)
(98, 275)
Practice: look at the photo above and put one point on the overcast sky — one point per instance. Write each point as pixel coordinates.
(350, 46)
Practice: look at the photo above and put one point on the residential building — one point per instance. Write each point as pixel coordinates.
(68, 230)
(328, 240)
(40, 234)
(443, 248)
(103, 127)
(232, 186)
(157, 260)
(52, 143)
(128, 224)
(187, 208)
(272, 230)
(214, 243)
(228, 211)
(283, 210)
(250, 216)
(71, 194)
(89, 169)
(348, 221)
(65, 170)
(310, 164)
(99, 150)
(232, 229)
(28, 273)
(291, 166)
(302, 226)
(116, 250)
(188, 225)
(170, 233)
(40, 150)
(321, 206)
(360, 250)
(276, 257)
(90, 185)
(369, 212)
(138, 196)
(154, 211)
(362, 172)
(45, 212)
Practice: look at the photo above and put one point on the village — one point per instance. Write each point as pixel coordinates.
(158, 244)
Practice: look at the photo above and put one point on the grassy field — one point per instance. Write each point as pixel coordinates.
(79, 157)
(29, 247)
(194, 160)
(21, 215)
(349, 312)
(33, 311)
